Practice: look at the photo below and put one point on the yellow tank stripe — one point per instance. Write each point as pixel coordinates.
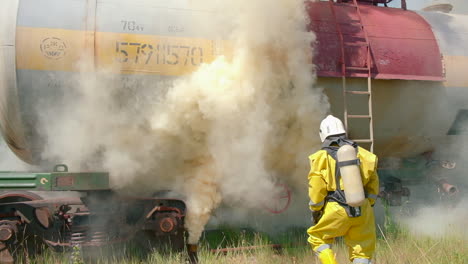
(62, 50)
(455, 71)
(48, 49)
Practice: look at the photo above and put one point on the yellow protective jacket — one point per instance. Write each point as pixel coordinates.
(322, 177)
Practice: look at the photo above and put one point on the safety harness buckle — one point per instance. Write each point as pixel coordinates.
(353, 211)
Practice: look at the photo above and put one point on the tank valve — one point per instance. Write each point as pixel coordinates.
(192, 250)
(446, 188)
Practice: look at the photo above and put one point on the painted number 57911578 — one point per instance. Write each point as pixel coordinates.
(146, 53)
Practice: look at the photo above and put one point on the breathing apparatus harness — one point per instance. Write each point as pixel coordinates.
(331, 145)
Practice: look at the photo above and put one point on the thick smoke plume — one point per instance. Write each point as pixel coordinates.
(439, 220)
(251, 117)
(228, 132)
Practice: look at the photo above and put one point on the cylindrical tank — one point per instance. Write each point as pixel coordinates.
(42, 43)
(10, 119)
(418, 86)
(46, 44)
(351, 175)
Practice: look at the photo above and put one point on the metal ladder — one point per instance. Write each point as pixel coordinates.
(364, 69)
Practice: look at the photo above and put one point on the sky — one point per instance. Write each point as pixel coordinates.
(412, 4)
(460, 6)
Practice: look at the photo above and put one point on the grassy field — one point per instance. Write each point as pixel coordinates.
(400, 247)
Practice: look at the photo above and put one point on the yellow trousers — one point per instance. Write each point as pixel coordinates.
(358, 232)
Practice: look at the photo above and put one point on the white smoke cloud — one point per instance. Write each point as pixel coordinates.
(439, 221)
(227, 132)
(429, 210)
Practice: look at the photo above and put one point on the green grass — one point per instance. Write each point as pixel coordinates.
(407, 247)
(401, 247)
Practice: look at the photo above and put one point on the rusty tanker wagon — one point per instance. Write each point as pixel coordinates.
(396, 77)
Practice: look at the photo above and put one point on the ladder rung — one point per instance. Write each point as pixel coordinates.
(359, 116)
(355, 36)
(359, 44)
(359, 92)
(348, 3)
(356, 25)
(355, 39)
(357, 68)
(363, 140)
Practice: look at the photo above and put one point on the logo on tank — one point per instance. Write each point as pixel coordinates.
(53, 48)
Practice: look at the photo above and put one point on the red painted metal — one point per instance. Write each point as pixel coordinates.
(402, 43)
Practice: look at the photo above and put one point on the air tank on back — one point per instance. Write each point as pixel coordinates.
(418, 83)
(348, 164)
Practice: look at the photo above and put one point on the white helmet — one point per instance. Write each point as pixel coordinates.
(331, 126)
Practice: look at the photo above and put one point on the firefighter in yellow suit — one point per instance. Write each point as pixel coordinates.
(332, 216)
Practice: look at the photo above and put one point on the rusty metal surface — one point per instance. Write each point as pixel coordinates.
(17, 196)
(64, 181)
(402, 43)
(5, 254)
(7, 229)
(163, 223)
(5, 233)
(167, 224)
(164, 209)
(91, 235)
(43, 216)
(66, 222)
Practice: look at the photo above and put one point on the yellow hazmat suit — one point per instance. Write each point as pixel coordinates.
(358, 232)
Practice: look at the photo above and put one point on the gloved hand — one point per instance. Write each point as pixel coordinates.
(316, 215)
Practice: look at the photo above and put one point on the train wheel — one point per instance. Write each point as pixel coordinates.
(19, 243)
(18, 196)
(163, 231)
(281, 200)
